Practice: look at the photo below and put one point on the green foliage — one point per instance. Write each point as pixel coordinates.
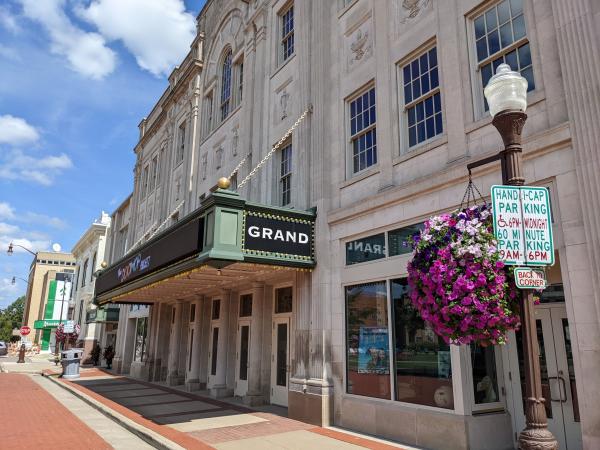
(11, 317)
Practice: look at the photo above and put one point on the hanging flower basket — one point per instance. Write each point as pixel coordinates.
(61, 336)
(458, 282)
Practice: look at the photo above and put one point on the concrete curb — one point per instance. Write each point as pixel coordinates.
(149, 436)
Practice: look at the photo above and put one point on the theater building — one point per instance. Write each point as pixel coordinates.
(290, 287)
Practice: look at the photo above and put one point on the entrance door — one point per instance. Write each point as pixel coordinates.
(280, 361)
(558, 375)
(242, 356)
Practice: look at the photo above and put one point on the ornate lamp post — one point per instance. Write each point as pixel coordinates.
(506, 94)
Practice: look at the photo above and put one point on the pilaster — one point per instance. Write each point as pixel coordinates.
(254, 395)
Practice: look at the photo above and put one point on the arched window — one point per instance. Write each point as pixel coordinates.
(226, 86)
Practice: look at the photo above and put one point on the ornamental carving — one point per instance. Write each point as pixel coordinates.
(234, 142)
(359, 44)
(284, 101)
(412, 8)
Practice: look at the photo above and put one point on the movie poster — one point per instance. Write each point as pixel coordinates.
(373, 350)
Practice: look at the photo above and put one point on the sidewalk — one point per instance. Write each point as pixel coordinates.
(192, 421)
(32, 364)
(31, 418)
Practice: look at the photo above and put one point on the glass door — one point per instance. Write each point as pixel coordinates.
(558, 376)
(242, 358)
(280, 357)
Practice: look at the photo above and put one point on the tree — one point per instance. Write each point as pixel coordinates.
(11, 317)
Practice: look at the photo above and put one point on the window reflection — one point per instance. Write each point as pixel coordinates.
(423, 369)
(485, 379)
(367, 340)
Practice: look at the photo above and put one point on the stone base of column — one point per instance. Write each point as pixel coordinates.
(174, 379)
(220, 391)
(253, 399)
(117, 364)
(311, 401)
(192, 385)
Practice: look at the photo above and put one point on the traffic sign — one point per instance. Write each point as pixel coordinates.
(69, 326)
(25, 330)
(528, 278)
(523, 225)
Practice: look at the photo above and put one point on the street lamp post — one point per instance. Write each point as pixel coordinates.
(506, 94)
(10, 250)
(67, 278)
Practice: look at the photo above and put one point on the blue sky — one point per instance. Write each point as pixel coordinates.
(76, 78)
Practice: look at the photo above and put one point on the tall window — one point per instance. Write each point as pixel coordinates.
(501, 37)
(226, 85)
(363, 137)
(93, 267)
(239, 80)
(145, 182)
(84, 273)
(154, 172)
(181, 144)
(287, 32)
(285, 175)
(422, 102)
(208, 112)
(367, 340)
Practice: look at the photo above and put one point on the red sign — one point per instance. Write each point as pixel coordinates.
(25, 330)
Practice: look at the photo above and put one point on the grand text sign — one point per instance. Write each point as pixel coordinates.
(523, 225)
(276, 235)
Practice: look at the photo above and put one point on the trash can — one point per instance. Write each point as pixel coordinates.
(70, 362)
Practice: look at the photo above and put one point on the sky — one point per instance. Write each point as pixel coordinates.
(76, 79)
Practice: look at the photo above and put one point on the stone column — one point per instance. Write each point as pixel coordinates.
(193, 379)
(173, 374)
(578, 37)
(254, 395)
(218, 382)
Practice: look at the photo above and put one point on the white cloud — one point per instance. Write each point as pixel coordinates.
(8, 20)
(159, 37)
(42, 170)
(85, 51)
(6, 228)
(16, 131)
(6, 211)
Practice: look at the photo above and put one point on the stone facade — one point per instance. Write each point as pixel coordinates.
(242, 87)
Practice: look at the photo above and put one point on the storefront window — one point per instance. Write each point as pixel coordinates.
(365, 249)
(485, 379)
(140, 338)
(423, 370)
(367, 340)
(397, 239)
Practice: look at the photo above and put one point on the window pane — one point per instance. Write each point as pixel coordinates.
(490, 19)
(506, 35)
(423, 369)
(519, 27)
(367, 340)
(479, 27)
(365, 249)
(511, 60)
(434, 78)
(216, 309)
(433, 57)
(244, 347)
(421, 131)
(246, 305)
(528, 75)
(430, 126)
(482, 49)
(524, 56)
(438, 123)
(412, 136)
(494, 42)
(283, 300)
(516, 7)
(425, 83)
(423, 63)
(407, 93)
(485, 379)
(215, 347)
(397, 239)
(503, 12)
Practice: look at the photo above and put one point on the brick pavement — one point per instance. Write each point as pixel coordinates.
(196, 421)
(31, 418)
